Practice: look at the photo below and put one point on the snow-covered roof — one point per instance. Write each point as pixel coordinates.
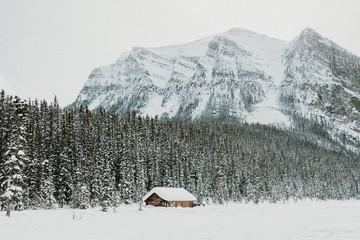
(171, 194)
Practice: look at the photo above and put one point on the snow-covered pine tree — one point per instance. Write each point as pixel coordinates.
(221, 187)
(31, 169)
(65, 181)
(13, 179)
(47, 188)
(128, 191)
(140, 162)
(117, 162)
(46, 191)
(4, 126)
(80, 197)
(94, 177)
(126, 170)
(54, 146)
(107, 185)
(4, 116)
(88, 140)
(155, 155)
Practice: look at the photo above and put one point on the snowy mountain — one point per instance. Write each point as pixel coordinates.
(238, 75)
(322, 81)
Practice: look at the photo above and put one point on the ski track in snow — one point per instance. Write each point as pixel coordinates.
(296, 220)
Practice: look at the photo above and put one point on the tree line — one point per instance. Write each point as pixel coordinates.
(50, 156)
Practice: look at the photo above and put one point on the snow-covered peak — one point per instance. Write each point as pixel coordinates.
(309, 32)
(244, 38)
(244, 32)
(311, 40)
(240, 30)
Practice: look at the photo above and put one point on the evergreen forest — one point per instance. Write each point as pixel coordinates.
(54, 157)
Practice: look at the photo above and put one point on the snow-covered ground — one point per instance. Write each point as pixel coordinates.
(301, 220)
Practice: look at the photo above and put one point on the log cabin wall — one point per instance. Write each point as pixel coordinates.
(154, 203)
(180, 204)
(169, 204)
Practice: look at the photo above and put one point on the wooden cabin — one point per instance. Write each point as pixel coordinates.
(169, 197)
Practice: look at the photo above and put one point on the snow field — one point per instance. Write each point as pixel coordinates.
(299, 220)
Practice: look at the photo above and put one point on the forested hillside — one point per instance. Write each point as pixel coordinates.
(80, 158)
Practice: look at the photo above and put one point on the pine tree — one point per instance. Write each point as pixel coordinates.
(140, 163)
(80, 197)
(13, 178)
(47, 187)
(65, 178)
(5, 110)
(4, 116)
(127, 168)
(54, 145)
(94, 178)
(31, 169)
(106, 189)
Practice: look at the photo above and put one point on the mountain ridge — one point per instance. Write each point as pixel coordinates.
(237, 75)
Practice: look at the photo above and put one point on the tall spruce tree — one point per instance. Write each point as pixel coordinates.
(13, 180)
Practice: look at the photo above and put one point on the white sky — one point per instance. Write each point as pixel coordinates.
(49, 47)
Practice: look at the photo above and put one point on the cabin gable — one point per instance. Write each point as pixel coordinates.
(155, 200)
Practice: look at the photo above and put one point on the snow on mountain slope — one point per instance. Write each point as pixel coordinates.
(236, 75)
(233, 70)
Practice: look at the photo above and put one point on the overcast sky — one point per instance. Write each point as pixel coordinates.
(49, 47)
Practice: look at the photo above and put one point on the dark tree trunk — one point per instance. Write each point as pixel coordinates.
(8, 209)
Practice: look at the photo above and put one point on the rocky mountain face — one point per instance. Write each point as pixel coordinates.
(239, 75)
(322, 81)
